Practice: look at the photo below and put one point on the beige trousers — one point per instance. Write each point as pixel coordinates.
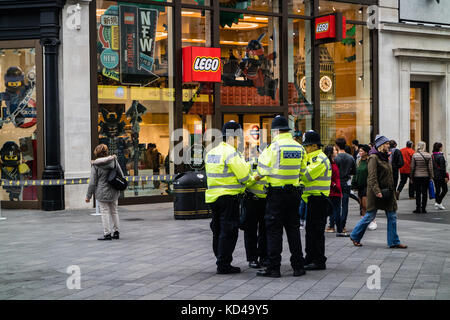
(107, 210)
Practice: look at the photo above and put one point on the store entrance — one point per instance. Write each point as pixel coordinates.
(419, 112)
(256, 129)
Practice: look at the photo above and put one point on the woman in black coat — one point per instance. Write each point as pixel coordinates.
(440, 175)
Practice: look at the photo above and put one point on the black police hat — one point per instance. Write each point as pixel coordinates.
(280, 123)
(311, 137)
(231, 127)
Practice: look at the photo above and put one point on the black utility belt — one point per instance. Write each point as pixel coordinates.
(288, 187)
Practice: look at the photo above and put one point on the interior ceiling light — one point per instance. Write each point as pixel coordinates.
(243, 26)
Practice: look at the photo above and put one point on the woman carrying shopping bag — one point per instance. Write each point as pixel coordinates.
(440, 175)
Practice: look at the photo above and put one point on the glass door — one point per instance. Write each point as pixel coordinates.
(419, 112)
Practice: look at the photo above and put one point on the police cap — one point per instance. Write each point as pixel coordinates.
(229, 129)
(280, 123)
(311, 137)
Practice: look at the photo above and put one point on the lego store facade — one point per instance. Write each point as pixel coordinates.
(129, 77)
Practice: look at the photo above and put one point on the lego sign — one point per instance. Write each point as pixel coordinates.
(201, 64)
(330, 28)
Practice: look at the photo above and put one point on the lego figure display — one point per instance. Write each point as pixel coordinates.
(12, 168)
(20, 107)
(256, 67)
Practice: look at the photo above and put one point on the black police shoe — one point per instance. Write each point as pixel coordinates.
(116, 235)
(299, 272)
(228, 270)
(264, 262)
(106, 237)
(269, 273)
(313, 266)
(254, 264)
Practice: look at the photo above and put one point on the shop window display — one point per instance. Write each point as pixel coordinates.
(18, 122)
(198, 97)
(250, 60)
(345, 87)
(254, 5)
(135, 89)
(300, 75)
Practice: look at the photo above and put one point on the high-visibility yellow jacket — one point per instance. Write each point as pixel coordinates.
(317, 177)
(257, 187)
(226, 171)
(283, 161)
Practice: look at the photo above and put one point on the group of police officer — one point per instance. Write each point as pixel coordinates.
(286, 172)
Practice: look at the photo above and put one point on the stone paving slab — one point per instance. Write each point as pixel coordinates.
(159, 258)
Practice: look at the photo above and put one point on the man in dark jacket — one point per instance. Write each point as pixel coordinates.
(396, 160)
(380, 195)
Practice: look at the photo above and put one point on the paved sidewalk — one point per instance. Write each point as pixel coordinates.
(162, 258)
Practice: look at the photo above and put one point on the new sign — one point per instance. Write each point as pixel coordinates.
(330, 28)
(201, 64)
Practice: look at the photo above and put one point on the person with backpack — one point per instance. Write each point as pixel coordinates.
(405, 171)
(440, 175)
(421, 174)
(396, 160)
(106, 195)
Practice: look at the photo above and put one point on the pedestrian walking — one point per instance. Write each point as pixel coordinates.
(380, 195)
(359, 181)
(104, 193)
(347, 168)
(335, 194)
(396, 160)
(255, 237)
(405, 171)
(440, 175)
(317, 180)
(421, 174)
(283, 162)
(227, 173)
(355, 148)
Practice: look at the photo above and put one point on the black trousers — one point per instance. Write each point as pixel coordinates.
(403, 178)
(255, 236)
(395, 172)
(421, 187)
(441, 189)
(224, 225)
(316, 220)
(282, 211)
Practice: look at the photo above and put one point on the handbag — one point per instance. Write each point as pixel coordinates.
(115, 180)
(386, 193)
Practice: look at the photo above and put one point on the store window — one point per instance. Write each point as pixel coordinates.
(300, 7)
(250, 60)
(198, 97)
(300, 86)
(135, 89)
(345, 87)
(197, 2)
(18, 122)
(254, 5)
(350, 11)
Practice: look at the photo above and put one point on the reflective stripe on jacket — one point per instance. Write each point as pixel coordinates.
(283, 161)
(257, 187)
(227, 172)
(317, 178)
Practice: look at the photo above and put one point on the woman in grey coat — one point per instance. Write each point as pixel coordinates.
(105, 194)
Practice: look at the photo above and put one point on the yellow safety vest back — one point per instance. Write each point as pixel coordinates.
(226, 172)
(317, 177)
(283, 161)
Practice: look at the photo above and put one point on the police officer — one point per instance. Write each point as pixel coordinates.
(317, 181)
(227, 173)
(255, 237)
(282, 163)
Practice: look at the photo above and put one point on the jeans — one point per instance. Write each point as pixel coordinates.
(335, 217)
(441, 189)
(421, 186)
(360, 229)
(302, 210)
(345, 197)
(403, 178)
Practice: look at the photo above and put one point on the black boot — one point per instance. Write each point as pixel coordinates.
(228, 270)
(418, 210)
(254, 264)
(116, 235)
(269, 273)
(106, 237)
(423, 210)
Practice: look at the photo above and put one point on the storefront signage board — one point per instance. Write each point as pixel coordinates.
(201, 64)
(330, 28)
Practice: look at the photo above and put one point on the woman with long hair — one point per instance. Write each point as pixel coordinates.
(440, 175)
(421, 174)
(105, 194)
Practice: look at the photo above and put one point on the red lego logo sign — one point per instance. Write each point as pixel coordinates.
(330, 28)
(201, 64)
